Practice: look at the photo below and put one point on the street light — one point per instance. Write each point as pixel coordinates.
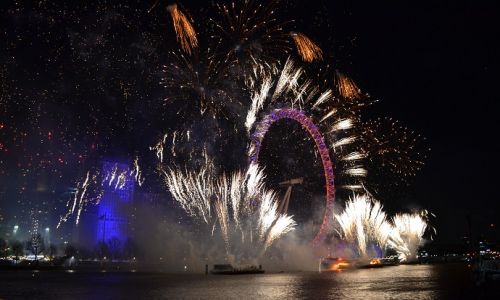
(47, 236)
(16, 227)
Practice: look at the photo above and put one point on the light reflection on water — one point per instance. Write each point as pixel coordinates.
(397, 282)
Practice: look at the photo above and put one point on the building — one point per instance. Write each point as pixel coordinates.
(111, 217)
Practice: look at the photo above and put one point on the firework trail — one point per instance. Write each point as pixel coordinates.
(354, 156)
(307, 49)
(192, 191)
(363, 223)
(85, 193)
(258, 98)
(158, 148)
(186, 35)
(357, 171)
(407, 235)
(285, 85)
(346, 87)
(343, 142)
(342, 125)
(136, 172)
(90, 189)
(246, 212)
(116, 178)
(155, 4)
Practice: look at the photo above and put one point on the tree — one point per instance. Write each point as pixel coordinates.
(3, 248)
(52, 251)
(70, 251)
(84, 253)
(114, 245)
(102, 250)
(17, 249)
(130, 249)
(35, 245)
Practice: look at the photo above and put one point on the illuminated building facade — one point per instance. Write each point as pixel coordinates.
(116, 202)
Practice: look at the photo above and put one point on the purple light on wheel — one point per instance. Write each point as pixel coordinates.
(299, 116)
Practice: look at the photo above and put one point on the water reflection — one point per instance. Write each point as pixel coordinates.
(397, 282)
(401, 282)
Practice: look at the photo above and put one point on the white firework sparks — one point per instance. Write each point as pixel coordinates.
(137, 173)
(328, 115)
(356, 172)
(81, 198)
(407, 235)
(354, 156)
(116, 178)
(258, 99)
(325, 96)
(158, 148)
(247, 213)
(342, 125)
(344, 142)
(90, 189)
(363, 223)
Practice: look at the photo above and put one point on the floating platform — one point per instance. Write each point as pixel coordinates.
(335, 264)
(227, 269)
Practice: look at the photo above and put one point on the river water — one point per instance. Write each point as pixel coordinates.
(450, 281)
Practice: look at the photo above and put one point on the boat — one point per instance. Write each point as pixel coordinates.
(389, 261)
(334, 264)
(373, 263)
(227, 269)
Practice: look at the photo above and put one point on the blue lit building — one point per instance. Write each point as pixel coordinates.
(112, 217)
(113, 210)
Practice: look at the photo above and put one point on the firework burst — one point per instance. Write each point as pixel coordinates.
(346, 87)
(88, 191)
(363, 223)
(306, 48)
(240, 60)
(241, 75)
(247, 33)
(390, 145)
(288, 86)
(407, 235)
(186, 35)
(246, 212)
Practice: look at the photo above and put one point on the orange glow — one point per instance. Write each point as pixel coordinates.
(186, 35)
(375, 261)
(339, 266)
(346, 87)
(307, 49)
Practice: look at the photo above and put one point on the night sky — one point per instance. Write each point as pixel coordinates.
(81, 82)
(434, 66)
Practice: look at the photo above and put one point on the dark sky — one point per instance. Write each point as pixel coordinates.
(432, 66)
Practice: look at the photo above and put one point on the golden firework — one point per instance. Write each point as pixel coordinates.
(346, 87)
(186, 35)
(307, 49)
